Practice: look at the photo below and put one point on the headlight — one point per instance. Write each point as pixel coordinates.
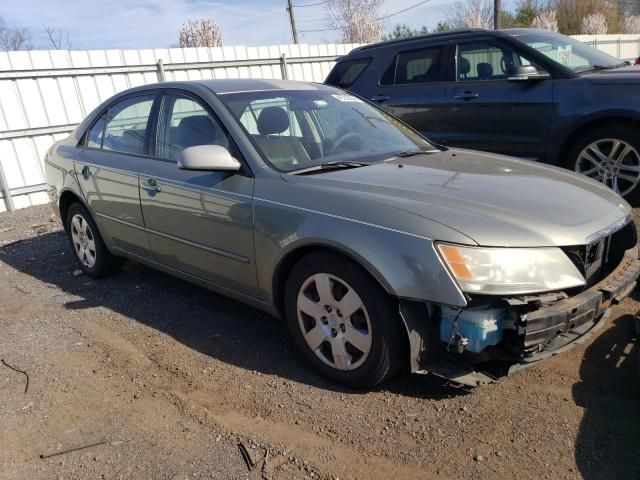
(510, 271)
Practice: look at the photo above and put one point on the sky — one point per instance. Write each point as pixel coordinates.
(122, 24)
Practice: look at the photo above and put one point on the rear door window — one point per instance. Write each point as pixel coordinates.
(345, 73)
(126, 125)
(426, 65)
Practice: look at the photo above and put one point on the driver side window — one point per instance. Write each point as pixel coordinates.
(486, 61)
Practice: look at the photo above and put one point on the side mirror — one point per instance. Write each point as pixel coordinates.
(526, 73)
(208, 157)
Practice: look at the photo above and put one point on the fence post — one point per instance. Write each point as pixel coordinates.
(6, 193)
(619, 53)
(160, 70)
(283, 66)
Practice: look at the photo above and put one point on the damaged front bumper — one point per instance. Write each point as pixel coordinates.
(542, 330)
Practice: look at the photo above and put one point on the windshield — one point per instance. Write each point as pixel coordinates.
(567, 51)
(300, 129)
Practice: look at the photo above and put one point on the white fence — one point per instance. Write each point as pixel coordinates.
(44, 94)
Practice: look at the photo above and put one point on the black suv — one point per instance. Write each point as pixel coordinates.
(523, 92)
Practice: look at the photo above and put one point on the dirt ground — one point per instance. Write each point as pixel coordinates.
(170, 378)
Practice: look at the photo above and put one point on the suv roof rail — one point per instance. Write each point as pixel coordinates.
(454, 31)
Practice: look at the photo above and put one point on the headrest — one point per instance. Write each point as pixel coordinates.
(197, 130)
(464, 66)
(273, 120)
(485, 70)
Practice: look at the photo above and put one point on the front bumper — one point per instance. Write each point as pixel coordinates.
(542, 333)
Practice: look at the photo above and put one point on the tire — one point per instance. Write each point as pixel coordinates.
(370, 319)
(87, 245)
(617, 168)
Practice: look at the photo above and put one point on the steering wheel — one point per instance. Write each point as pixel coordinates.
(343, 139)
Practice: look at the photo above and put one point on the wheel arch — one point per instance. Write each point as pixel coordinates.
(604, 120)
(293, 256)
(67, 198)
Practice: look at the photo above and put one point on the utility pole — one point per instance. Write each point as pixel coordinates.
(292, 20)
(496, 14)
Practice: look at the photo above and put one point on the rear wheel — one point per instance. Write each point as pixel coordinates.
(611, 156)
(343, 322)
(87, 244)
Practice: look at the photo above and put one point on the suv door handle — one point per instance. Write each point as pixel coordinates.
(466, 96)
(151, 186)
(86, 172)
(379, 98)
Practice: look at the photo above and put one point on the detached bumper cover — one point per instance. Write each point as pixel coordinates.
(561, 324)
(545, 332)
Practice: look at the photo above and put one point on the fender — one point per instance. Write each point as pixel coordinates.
(406, 265)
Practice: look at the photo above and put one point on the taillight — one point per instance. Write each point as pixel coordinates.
(637, 62)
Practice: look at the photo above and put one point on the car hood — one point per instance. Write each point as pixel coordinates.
(492, 199)
(629, 75)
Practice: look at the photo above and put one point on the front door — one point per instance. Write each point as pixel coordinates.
(489, 112)
(106, 168)
(197, 222)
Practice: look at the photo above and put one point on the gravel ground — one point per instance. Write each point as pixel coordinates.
(170, 378)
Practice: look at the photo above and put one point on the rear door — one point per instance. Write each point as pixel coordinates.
(106, 169)
(489, 112)
(197, 222)
(413, 87)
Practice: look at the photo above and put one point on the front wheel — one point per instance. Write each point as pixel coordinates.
(343, 322)
(611, 156)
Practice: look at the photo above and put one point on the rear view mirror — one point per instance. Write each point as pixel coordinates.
(519, 73)
(208, 157)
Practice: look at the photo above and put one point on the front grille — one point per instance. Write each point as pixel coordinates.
(597, 260)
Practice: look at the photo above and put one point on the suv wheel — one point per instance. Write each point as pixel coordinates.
(87, 244)
(343, 322)
(611, 156)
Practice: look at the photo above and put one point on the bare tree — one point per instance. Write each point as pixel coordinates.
(546, 20)
(631, 24)
(594, 24)
(14, 38)
(200, 33)
(357, 19)
(58, 38)
(471, 14)
(363, 29)
(570, 14)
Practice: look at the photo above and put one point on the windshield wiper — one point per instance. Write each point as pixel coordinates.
(409, 153)
(606, 67)
(335, 165)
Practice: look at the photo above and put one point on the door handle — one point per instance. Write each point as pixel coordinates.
(151, 186)
(379, 98)
(466, 96)
(86, 172)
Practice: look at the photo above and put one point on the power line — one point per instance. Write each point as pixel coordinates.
(403, 10)
(311, 4)
(379, 18)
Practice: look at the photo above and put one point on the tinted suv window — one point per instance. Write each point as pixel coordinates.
(126, 126)
(345, 73)
(426, 65)
(186, 123)
(486, 60)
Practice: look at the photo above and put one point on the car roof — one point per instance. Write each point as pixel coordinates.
(456, 32)
(429, 36)
(237, 85)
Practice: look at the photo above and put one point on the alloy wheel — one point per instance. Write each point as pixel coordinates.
(334, 321)
(613, 162)
(83, 241)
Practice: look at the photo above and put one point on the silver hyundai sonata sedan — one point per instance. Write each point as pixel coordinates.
(382, 251)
